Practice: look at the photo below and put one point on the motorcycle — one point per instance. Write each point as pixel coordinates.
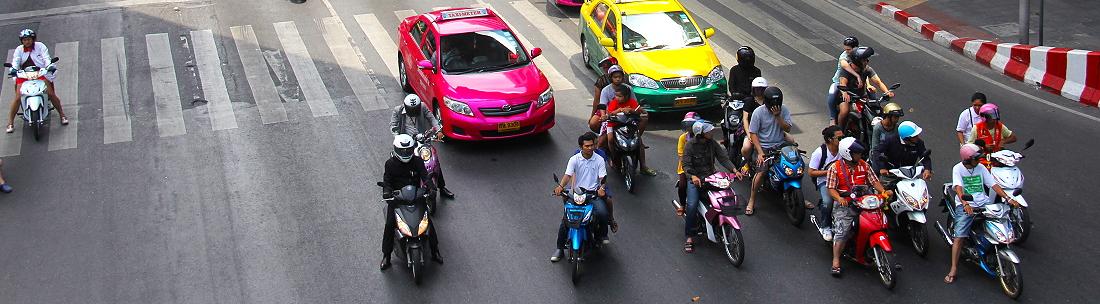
(720, 214)
(863, 112)
(733, 130)
(627, 146)
(411, 244)
(785, 177)
(871, 241)
(912, 202)
(581, 239)
(427, 152)
(35, 105)
(1011, 179)
(990, 250)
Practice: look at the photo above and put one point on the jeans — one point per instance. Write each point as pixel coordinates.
(691, 211)
(825, 209)
(831, 100)
(599, 222)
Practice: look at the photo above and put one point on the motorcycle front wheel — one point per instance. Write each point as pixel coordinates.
(415, 264)
(884, 263)
(794, 205)
(630, 170)
(576, 259)
(918, 234)
(36, 126)
(1008, 273)
(733, 244)
(1021, 224)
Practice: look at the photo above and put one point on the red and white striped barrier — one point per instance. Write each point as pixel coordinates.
(1074, 74)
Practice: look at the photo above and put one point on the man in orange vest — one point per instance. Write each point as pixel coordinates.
(843, 176)
(990, 133)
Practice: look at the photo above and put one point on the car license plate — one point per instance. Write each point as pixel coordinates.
(685, 102)
(507, 126)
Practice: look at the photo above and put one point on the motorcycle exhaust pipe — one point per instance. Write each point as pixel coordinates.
(677, 205)
(943, 233)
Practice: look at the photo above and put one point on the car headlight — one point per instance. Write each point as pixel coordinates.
(423, 225)
(545, 97)
(458, 106)
(716, 74)
(644, 81)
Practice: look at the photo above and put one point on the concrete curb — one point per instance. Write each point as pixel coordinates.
(1074, 74)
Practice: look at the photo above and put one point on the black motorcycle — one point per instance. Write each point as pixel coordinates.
(733, 129)
(413, 223)
(627, 146)
(862, 112)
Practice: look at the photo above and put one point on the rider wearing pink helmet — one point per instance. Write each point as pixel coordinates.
(968, 178)
(990, 133)
(685, 125)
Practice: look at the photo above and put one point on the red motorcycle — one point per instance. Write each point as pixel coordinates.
(871, 246)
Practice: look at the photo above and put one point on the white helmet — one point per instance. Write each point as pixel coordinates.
(403, 147)
(412, 104)
(701, 127)
(849, 145)
(759, 82)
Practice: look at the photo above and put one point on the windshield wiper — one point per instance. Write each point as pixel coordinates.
(501, 67)
(652, 47)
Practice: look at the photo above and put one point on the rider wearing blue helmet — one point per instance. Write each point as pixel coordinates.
(902, 150)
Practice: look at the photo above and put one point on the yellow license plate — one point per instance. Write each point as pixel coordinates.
(684, 102)
(508, 126)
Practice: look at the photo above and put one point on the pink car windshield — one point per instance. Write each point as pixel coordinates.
(479, 52)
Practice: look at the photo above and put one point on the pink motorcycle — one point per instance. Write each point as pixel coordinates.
(426, 150)
(719, 209)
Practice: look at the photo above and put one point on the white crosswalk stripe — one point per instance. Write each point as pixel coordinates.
(776, 29)
(352, 63)
(259, 80)
(166, 92)
(309, 80)
(725, 57)
(213, 82)
(67, 84)
(439, 8)
(380, 39)
(826, 33)
(116, 99)
(557, 81)
(402, 14)
(10, 143)
(881, 37)
(722, 25)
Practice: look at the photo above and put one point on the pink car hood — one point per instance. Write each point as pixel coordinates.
(526, 81)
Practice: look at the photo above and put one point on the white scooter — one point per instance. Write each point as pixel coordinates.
(912, 202)
(1011, 179)
(34, 104)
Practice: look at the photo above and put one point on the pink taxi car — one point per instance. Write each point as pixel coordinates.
(472, 71)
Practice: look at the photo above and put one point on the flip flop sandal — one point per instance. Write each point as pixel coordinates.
(835, 271)
(649, 172)
(679, 211)
(11, 128)
(749, 211)
(689, 247)
(614, 227)
(949, 279)
(64, 121)
(809, 205)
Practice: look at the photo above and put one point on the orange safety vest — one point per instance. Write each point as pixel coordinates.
(846, 181)
(992, 139)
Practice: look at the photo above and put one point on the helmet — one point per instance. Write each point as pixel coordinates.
(701, 127)
(27, 33)
(745, 56)
(689, 121)
(607, 62)
(990, 111)
(851, 41)
(773, 96)
(849, 145)
(969, 151)
(412, 105)
(862, 53)
(614, 68)
(908, 129)
(403, 146)
(759, 82)
(893, 108)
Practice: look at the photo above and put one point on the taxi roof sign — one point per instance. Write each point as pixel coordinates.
(464, 13)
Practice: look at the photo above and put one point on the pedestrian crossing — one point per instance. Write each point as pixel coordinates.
(263, 80)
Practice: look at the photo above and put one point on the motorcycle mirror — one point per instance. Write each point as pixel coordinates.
(555, 177)
(55, 59)
(380, 184)
(1030, 142)
(7, 65)
(927, 153)
(895, 86)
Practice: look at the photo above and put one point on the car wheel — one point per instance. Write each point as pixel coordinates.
(584, 54)
(402, 76)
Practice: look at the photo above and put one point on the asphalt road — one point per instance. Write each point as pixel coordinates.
(287, 212)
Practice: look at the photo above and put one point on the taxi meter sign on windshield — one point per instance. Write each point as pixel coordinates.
(464, 13)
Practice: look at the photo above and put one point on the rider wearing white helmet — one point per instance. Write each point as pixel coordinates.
(844, 176)
(33, 53)
(414, 118)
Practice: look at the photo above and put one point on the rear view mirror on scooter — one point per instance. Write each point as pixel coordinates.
(1030, 142)
(7, 65)
(55, 59)
(927, 153)
(895, 86)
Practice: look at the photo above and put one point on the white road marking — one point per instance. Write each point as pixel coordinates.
(740, 35)
(116, 99)
(880, 35)
(84, 8)
(10, 143)
(68, 74)
(380, 40)
(165, 87)
(725, 57)
(267, 98)
(757, 16)
(402, 14)
(309, 80)
(819, 29)
(218, 103)
(352, 64)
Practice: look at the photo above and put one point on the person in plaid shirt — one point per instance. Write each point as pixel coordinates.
(843, 176)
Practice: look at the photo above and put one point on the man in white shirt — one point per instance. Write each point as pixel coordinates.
(969, 117)
(819, 163)
(589, 171)
(968, 178)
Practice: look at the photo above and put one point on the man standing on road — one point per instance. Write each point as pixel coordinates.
(969, 117)
(820, 160)
(589, 171)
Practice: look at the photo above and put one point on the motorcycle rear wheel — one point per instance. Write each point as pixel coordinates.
(733, 244)
(884, 264)
(918, 235)
(1008, 273)
(794, 205)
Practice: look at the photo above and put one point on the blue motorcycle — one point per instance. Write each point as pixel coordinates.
(988, 246)
(581, 239)
(784, 176)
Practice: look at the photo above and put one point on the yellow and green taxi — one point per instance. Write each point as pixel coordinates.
(666, 56)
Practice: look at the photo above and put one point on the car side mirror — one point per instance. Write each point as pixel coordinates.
(607, 42)
(425, 65)
(536, 52)
(895, 86)
(708, 32)
(55, 59)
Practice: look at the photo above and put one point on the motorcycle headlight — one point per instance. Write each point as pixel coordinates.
(458, 106)
(545, 97)
(578, 198)
(716, 74)
(640, 80)
(623, 142)
(800, 171)
(423, 225)
(425, 153)
(788, 171)
(403, 227)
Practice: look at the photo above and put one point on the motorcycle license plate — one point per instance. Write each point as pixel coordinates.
(508, 126)
(686, 101)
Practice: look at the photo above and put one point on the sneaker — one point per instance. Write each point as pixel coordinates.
(606, 241)
(446, 192)
(827, 234)
(557, 256)
(6, 188)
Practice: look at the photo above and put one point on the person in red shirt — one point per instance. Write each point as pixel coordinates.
(622, 103)
(844, 175)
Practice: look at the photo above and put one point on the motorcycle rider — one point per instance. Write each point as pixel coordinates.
(601, 82)
(622, 104)
(743, 74)
(767, 131)
(820, 160)
(414, 118)
(699, 156)
(899, 151)
(615, 76)
(969, 117)
(404, 168)
(751, 103)
(681, 143)
(887, 127)
(843, 176)
(842, 64)
(32, 53)
(851, 86)
(589, 171)
(967, 177)
(991, 132)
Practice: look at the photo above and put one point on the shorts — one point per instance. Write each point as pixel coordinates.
(963, 221)
(844, 217)
(767, 164)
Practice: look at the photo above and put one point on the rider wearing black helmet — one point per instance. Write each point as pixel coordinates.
(404, 168)
(767, 130)
(742, 74)
(843, 65)
(851, 86)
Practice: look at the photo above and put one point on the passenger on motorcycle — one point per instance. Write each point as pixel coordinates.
(404, 168)
(969, 117)
(414, 118)
(991, 132)
(617, 77)
(624, 104)
(842, 64)
(820, 160)
(589, 171)
(887, 127)
(751, 103)
(899, 151)
(967, 177)
(767, 131)
(699, 156)
(851, 86)
(743, 74)
(30, 53)
(601, 82)
(681, 143)
(844, 176)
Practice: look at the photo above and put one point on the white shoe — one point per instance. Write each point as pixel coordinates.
(606, 242)
(827, 234)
